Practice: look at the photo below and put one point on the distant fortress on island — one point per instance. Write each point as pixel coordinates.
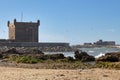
(99, 43)
(25, 34)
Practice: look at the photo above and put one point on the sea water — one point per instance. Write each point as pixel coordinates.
(96, 52)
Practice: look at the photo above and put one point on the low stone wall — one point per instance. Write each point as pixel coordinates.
(32, 44)
(47, 47)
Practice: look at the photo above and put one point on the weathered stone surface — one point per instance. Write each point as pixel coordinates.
(110, 57)
(53, 56)
(69, 58)
(11, 51)
(23, 31)
(83, 56)
(34, 51)
(1, 56)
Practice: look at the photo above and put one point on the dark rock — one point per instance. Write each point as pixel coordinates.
(110, 57)
(53, 56)
(83, 56)
(11, 51)
(1, 56)
(34, 55)
(35, 51)
(113, 54)
(69, 58)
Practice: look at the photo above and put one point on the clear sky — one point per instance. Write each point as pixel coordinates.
(73, 21)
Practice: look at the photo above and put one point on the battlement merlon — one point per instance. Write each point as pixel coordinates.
(38, 22)
(8, 23)
(15, 22)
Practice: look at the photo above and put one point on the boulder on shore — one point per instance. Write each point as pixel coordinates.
(83, 56)
(110, 57)
(11, 51)
(35, 53)
(52, 56)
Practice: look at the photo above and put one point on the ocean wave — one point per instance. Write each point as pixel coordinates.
(99, 55)
(91, 51)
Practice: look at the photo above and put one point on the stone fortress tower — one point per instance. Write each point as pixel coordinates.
(23, 31)
(25, 34)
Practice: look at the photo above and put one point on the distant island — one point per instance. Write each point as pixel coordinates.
(99, 43)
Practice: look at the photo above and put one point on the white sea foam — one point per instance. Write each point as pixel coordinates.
(91, 51)
(99, 55)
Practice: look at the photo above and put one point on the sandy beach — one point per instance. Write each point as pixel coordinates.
(9, 73)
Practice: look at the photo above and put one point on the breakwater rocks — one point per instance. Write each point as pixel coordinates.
(33, 53)
(16, 54)
(37, 54)
(83, 56)
(110, 57)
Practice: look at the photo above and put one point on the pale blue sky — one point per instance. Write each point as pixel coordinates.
(73, 21)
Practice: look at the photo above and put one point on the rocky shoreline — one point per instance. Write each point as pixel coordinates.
(37, 59)
(35, 65)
